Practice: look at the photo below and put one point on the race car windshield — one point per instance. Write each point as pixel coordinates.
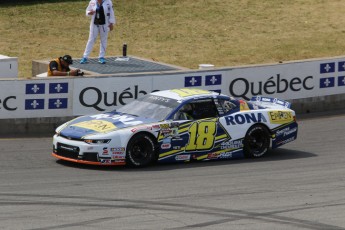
(150, 106)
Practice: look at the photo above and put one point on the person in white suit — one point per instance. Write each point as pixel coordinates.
(102, 21)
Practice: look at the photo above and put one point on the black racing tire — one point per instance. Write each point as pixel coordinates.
(140, 151)
(256, 142)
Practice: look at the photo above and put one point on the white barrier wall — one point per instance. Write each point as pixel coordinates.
(59, 97)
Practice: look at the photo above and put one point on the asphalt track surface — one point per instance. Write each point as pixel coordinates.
(299, 186)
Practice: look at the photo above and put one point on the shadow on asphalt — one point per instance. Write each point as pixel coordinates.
(272, 155)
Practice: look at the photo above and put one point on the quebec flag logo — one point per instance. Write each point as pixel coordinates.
(58, 88)
(57, 103)
(48, 96)
(341, 81)
(341, 66)
(192, 81)
(213, 79)
(327, 82)
(35, 88)
(327, 67)
(34, 104)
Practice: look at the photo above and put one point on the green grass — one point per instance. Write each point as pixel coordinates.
(180, 32)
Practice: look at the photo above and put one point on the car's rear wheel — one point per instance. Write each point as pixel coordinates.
(256, 142)
(140, 151)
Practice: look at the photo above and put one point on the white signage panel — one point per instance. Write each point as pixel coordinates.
(58, 97)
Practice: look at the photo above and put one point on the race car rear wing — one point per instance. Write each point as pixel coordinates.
(270, 102)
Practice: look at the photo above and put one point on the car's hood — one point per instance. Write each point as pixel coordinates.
(100, 124)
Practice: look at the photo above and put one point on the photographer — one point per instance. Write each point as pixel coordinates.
(60, 67)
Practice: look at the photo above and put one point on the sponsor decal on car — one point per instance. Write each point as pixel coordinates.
(164, 126)
(119, 161)
(155, 126)
(105, 161)
(182, 157)
(176, 147)
(214, 155)
(122, 149)
(136, 129)
(166, 140)
(286, 141)
(219, 155)
(118, 150)
(117, 157)
(225, 155)
(235, 144)
(240, 119)
(166, 146)
(166, 131)
(105, 151)
(286, 131)
(280, 117)
(100, 126)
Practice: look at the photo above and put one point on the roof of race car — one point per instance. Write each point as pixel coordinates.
(184, 93)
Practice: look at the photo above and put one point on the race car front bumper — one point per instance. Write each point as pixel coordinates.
(83, 153)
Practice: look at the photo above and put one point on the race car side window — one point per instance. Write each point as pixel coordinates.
(198, 109)
(204, 108)
(185, 112)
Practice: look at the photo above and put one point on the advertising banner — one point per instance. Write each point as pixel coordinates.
(79, 96)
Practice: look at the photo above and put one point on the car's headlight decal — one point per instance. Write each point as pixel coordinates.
(97, 141)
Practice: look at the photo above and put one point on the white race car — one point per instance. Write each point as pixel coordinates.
(178, 125)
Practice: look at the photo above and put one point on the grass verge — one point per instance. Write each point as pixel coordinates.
(184, 33)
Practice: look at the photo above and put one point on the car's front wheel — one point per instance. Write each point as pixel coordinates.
(140, 151)
(256, 142)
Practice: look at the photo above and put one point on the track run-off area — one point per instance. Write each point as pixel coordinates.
(298, 186)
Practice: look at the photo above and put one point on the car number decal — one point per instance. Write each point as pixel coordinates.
(96, 125)
(201, 135)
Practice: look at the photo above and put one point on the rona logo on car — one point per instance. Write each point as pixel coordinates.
(240, 119)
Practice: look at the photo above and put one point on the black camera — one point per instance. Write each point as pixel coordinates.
(80, 73)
